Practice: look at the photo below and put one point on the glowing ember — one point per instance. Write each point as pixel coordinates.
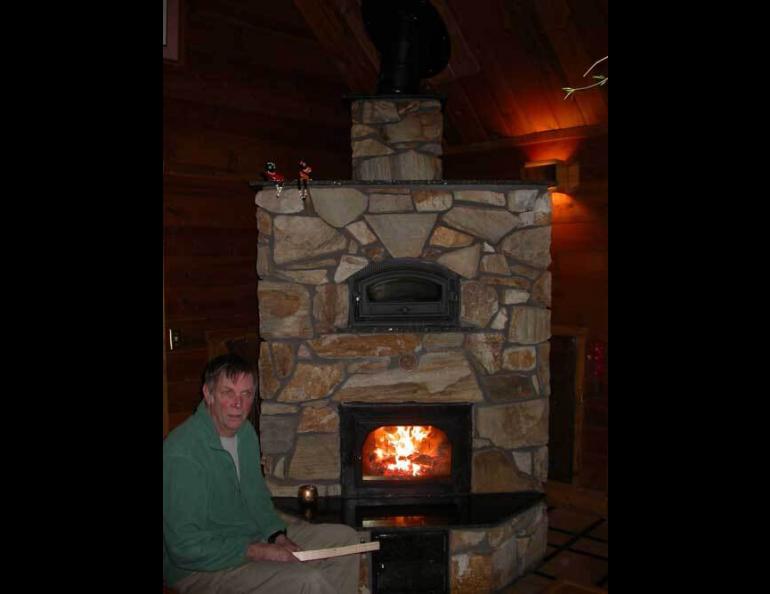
(406, 451)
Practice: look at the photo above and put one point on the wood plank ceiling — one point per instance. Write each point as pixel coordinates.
(510, 60)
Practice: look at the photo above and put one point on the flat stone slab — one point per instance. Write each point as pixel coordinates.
(316, 457)
(277, 433)
(284, 310)
(445, 375)
(464, 261)
(330, 307)
(339, 206)
(403, 235)
(297, 238)
(349, 265)
(319, 419)
(529, 325)
(530, 246)
(481, 196)
(488, 223)
(312, 381)
(360, 230)
(432, 200)
(449, 238)
(344, 346)
(515, 425)
(289, 202)
(478, 303)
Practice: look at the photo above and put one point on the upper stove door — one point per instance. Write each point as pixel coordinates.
(404, 293)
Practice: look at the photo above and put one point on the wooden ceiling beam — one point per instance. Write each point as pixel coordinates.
(576, 133)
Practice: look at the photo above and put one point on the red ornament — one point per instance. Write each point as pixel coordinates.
(302, 178)
(272, 174)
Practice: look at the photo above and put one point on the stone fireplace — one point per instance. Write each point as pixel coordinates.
(493, 240)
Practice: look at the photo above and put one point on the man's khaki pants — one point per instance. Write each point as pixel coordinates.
(338, 575)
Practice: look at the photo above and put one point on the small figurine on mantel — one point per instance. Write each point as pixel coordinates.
(302, 178)
(272, 174)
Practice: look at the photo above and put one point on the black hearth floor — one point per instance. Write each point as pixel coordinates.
(577, 553)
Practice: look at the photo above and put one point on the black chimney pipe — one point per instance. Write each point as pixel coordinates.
(412, 40)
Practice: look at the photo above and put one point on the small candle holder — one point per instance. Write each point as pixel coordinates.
(307, 495)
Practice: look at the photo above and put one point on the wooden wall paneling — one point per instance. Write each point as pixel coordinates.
(208, 270)
(585, 265)
(214, 152)
(281, 16)
(578, 237)
(204, 241)
(570, 209)
(273, 79)
(165, 373)
(181, 114)
(257, 96)
(195, 301)
(577, 300)
(186, 364)
(202, 211)
(184, 396)
(210, 281)
(258, 48)
(498, 164)
(194, 330)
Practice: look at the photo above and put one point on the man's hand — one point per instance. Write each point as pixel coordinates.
(287, 543)
(263, 551)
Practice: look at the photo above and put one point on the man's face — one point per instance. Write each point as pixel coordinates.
(229, 402)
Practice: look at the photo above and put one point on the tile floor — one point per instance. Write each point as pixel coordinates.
(577, 552)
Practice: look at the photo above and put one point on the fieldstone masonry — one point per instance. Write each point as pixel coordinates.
(397, 139)
(496, 237)
(498, 360)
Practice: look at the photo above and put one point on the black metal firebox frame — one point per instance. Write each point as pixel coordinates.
(358, 419)
(436, 313)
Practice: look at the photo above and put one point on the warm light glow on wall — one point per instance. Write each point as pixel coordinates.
(561, 150)
(561, 200)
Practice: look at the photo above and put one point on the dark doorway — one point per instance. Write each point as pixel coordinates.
(562, 408)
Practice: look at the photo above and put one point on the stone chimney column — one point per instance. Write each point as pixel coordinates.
(396, 138)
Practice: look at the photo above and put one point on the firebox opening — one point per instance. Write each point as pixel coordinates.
(398, 452)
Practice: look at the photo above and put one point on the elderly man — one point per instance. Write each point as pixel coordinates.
(221, 533)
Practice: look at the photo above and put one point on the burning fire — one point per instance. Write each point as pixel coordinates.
(406, 451)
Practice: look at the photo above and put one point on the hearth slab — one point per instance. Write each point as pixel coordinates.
(472, 511)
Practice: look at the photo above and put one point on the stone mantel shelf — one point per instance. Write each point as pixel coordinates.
(458, 184)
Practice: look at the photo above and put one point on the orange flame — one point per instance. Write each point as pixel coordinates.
(406, 451)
